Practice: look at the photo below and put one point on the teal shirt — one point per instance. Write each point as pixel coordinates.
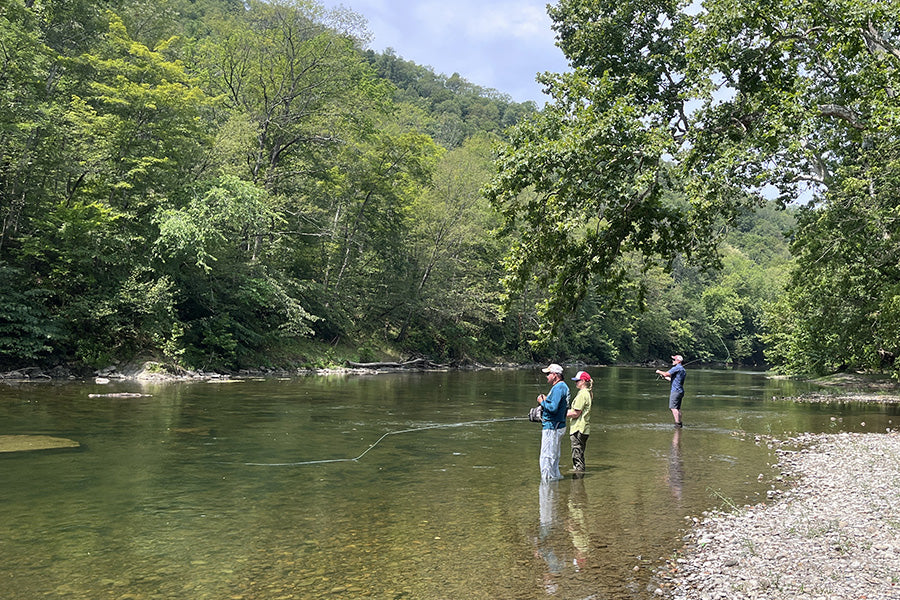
(556, 405)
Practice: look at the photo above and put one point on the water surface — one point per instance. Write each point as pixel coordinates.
(219, 491)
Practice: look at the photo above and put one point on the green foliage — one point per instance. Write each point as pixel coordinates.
(585, 181)
(299, 83)
(813, 112)
(134, 128)
(75, 254)
(27, 157)
(25, 329)
(457, 108)
(227, 184)
(718, 105)
(232, 220)
(451, 292)
(218, 250)
(841, 309)
(715, 316)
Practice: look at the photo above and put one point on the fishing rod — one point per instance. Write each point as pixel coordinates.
(378, 441)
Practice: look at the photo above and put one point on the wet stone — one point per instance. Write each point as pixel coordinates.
(24, 443)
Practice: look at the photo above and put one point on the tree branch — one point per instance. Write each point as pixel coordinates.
(876, 42)
(843, 113)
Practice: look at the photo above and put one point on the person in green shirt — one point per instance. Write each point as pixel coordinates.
(580, 412)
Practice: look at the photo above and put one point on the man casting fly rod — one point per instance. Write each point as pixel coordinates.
(675, 375)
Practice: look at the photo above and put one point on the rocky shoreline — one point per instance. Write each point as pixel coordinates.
(833, 533)
(865, 397)
(156, 371)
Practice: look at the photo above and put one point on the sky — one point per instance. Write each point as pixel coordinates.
(498, 44)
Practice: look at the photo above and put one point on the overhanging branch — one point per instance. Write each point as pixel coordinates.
(843, 113)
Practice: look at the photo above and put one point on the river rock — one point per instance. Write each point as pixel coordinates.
(831, 537)
(24, 443)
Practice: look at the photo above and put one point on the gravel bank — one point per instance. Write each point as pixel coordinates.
(832, 534)
(838, 398)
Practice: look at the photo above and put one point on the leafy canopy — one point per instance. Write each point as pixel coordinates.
(723, 104)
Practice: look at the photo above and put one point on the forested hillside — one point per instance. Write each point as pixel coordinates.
(224, 184)
(217, 182)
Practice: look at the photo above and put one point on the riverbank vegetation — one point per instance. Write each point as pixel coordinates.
(223, 185)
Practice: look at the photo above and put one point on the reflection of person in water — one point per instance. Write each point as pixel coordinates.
(563, 542)
(675, 475)
(546, 547)
(577, 524)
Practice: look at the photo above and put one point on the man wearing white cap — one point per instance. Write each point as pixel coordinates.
(553, 422)
(676, 393)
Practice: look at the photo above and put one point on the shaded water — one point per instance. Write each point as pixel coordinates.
(194, 492)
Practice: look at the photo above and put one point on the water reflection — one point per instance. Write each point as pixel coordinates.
(548, 544)
(675, 474)
(576, 523)
(563, 540)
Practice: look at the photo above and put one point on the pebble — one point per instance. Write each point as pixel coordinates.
(834, 534)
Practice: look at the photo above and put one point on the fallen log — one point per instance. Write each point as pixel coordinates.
(416, 362)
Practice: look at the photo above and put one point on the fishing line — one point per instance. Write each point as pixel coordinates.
(378, 441)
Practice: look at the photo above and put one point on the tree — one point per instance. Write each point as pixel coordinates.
(724, 103)
(220, 254)
(361, 217)
(26, 120)
(452, 296)
(459, 109)
(134, 131)
(25, 329)
(840, 310)
(299, 83)
(594, 163)
(813, 112)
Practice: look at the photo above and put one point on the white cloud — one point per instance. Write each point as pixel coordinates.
(524, 22)
(485, 20)
(500, 44)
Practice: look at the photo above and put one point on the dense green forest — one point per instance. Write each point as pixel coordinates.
(222, 185)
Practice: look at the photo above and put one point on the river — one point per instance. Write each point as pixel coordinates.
(406, 485)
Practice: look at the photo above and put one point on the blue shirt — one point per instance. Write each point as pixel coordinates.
(677, 373)
(556, 404)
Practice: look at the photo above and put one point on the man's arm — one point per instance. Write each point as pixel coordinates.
(552, 401)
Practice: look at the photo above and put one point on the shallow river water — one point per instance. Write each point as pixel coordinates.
(247, 490)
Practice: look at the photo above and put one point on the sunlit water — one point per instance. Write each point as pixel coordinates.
(215, 491)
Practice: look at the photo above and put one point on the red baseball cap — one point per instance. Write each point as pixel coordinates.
(582, 376)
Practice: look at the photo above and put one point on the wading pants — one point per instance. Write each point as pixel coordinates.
(550, 447)
(579, 441)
